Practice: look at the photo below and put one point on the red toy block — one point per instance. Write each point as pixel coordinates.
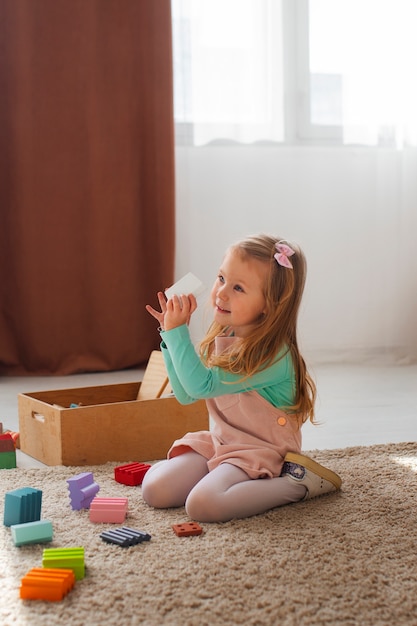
(187, 529)
(131, 474)
(6, 443)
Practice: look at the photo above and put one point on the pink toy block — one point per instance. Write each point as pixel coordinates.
(131, 474)
(111, 510)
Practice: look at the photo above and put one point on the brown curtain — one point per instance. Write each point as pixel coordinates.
(86, 182)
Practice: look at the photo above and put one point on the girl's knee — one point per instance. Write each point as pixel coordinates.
(152, 493)
(197, 508)
(155, 488)
(203, 507)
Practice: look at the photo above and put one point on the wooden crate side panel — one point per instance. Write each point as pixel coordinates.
(101, 394)
(40, 430)
(133, 431)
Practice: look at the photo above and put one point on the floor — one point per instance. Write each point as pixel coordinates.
(357, 404)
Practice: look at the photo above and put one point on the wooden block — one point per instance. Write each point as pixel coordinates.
(155, 378)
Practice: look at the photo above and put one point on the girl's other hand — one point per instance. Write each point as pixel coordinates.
(159, 315)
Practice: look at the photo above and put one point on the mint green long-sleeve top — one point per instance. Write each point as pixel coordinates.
(191, 380)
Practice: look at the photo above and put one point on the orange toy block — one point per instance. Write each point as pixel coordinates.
(47, 584)
(187, 529)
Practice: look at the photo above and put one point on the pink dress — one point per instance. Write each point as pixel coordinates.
(248, 432)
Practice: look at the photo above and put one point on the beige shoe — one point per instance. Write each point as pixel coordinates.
(317, 479)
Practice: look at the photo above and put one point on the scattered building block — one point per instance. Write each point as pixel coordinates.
(125, 537)
(47, 584)
(187, 529)
(131, 474)
(110, 510)
(65, 558)
(22, 505)
(7, 451)
(32, 532)
(82, 490)
(6, 443)
(15, 437)
(8, 460)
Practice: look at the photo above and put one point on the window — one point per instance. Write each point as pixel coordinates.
(295, 71)
(228, 70)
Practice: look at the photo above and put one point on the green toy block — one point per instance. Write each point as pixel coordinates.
(65, 558)
(8, 460)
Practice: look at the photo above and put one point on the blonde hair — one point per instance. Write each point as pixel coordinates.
(277, 328)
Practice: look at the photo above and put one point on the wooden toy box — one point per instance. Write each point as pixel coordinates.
(119, 422)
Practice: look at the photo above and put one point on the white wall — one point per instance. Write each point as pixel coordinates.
(354, 212)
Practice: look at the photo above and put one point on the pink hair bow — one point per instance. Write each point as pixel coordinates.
(282, 254)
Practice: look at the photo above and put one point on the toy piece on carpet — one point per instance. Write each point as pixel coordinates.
(7, 451)
(82, 490)
(110, 510)
(65, 558)
(46, 584)
(22, 505)
(32, 532)
(15, 436)
(187, 529)
(131, 474)
(125, 537)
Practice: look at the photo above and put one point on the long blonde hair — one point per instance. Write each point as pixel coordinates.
(277, 328)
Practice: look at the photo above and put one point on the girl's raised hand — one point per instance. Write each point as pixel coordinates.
(179, 310)
(174, 312)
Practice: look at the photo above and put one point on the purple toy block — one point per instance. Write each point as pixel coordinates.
(82, 490)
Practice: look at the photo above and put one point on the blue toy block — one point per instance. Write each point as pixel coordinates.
(22, 505)
(32, 532)
(82, 490)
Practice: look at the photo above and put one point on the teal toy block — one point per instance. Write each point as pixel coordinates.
(32, 532)
(65, 558)
(22, 505)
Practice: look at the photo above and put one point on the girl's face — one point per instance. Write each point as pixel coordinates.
(238, 293)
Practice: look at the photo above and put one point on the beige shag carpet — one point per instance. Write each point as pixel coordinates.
(343, 559)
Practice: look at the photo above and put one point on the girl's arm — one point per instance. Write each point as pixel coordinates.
(191, 380)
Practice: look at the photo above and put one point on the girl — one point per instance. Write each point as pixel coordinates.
(257, 389)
